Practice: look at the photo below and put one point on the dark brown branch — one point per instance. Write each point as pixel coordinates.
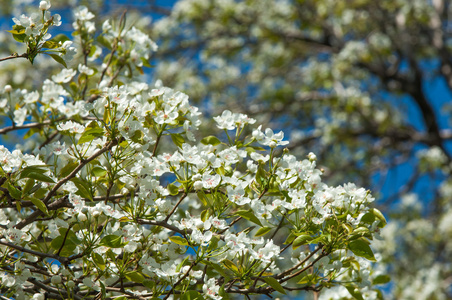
(29, 125)
(15, 55)
(175, 207)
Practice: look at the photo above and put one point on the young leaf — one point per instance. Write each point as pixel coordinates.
(178, 139)
(99, 261)
(112, 241)
(37, 173)
(262, 231)
(355, 293)
(83, 188)
(274, 284)
(362, 249)
(179, 240)
(191, 295)
(58, 59)
(134, 276)
(211, 140)
(13, 191)
(172, 189)
(381, 279)
(40, 205)
(249, 215)
(301, 240)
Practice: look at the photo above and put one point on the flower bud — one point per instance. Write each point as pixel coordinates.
(44, 5)
(197, 185)
(312, 156)
(38, 296)
(81, 217)
(70, 284)
(56, 279)
(8, 88)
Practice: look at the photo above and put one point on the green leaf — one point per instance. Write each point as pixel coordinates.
(99, 261)
(13, 191)
(301, 240)
(309, 279)
(83, 188)
(50, 45)
(290, 239)
(31, 132)
(202, 197)
(230, 265)
(18, 33)
(104, 42)
(58, 59)
(381, 279)
(368, 218)
(262, 231)
(60, 38)
(172, 189)
(103, 290)
(28, 186)
(150, 284)
(112, 241)
(123, 298)
(191, 295)
(17, 29)
(356, 294)
(362, 249)
(37, 173)
(178, 139)
(40, 205)
(183, 263)
(380, 217)
(261, 175)
(249, 215)
(145, 62)
(70, 242)
(211, 140)
(134, 276)
(220, 270)
(213, 243)
(92, 131)
(179, 240)
(67, 169)
(98, 172)
(205, 215)
(274, 284)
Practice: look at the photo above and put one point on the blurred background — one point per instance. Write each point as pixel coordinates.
(364, 84)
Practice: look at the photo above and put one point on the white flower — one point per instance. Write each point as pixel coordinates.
(210, 181)
(85, 70)
(211, 290)
(167, 116)
(64, 76)
(71, 127)
(225, 121)
(266, 253)
(230, 121)
(237, 195)
(67, 51)
(83, 14)
(269, 138)
(20, 115)
(44, 5)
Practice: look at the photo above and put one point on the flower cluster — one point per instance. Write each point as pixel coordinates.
(128, 203)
